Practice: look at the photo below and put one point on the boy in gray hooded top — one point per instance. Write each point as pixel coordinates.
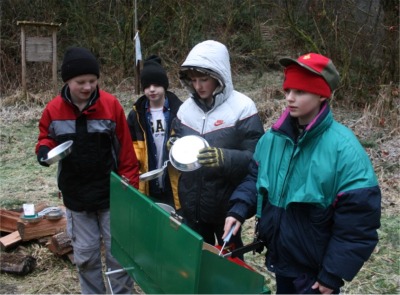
(228, 120)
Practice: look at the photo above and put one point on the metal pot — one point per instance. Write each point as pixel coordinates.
(58, 153)
(183, 156)
(166, 207)
(153, 174)
(184, 151)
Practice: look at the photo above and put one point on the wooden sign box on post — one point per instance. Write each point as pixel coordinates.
(38, 49)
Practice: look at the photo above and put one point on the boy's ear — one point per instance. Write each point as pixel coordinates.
(322, 99)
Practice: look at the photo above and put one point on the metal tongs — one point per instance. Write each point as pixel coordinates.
(255, 246)
(227, 238)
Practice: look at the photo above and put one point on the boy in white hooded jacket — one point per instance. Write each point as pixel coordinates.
(228, 120)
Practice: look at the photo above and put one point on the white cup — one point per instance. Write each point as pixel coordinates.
(29, 209)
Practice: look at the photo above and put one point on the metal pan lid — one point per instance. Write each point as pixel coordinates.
(183, 154)
(59, 152)
(153, 174)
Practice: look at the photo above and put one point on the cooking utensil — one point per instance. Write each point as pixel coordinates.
(250, 247)
(29, 210)
(184, 151)
(153, 174)
(175, 217)
(166, 207)
(52, 213)
(58, 153)
(32, 219)
(48, 210)
(227, 238)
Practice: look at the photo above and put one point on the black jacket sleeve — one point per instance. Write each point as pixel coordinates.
(243, 202)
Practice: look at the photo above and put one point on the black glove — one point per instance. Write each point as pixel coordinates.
(211, 157)
(170, 142)
(42, 154)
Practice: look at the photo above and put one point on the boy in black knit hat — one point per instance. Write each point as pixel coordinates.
(150, 124)
(96, 122)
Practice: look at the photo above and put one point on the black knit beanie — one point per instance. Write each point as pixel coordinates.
(78, 61)
(153, 73)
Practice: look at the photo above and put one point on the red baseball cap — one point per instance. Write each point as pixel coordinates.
(317, 64)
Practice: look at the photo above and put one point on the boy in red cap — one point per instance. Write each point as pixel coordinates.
(312, 187)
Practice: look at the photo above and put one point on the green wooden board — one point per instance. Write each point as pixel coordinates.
(165, 256)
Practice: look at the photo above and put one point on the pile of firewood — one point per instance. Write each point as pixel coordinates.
(16, 230)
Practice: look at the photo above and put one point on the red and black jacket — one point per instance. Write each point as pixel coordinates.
(102, 144)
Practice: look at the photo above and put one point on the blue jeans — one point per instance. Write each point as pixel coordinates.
(88, 232)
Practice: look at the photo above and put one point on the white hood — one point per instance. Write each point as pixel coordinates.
(211, 57)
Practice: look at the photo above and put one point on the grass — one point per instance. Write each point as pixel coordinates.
(23, 180)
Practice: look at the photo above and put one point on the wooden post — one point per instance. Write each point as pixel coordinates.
(23, 60)
(55, 88)
(137, 78)
(138, 51)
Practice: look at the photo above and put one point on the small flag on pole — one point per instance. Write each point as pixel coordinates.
(138, 50)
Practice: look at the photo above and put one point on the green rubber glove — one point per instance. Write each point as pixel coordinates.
(211, 157)
(170, 142)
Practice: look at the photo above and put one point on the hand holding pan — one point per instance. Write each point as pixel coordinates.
(183, 156)
(58, 153)
(153, 174)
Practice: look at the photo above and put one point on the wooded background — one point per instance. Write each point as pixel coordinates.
(360, 36)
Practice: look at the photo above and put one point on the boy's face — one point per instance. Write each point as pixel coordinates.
(303, 105)
(204, 85)
(82, 87)
(155, 94)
